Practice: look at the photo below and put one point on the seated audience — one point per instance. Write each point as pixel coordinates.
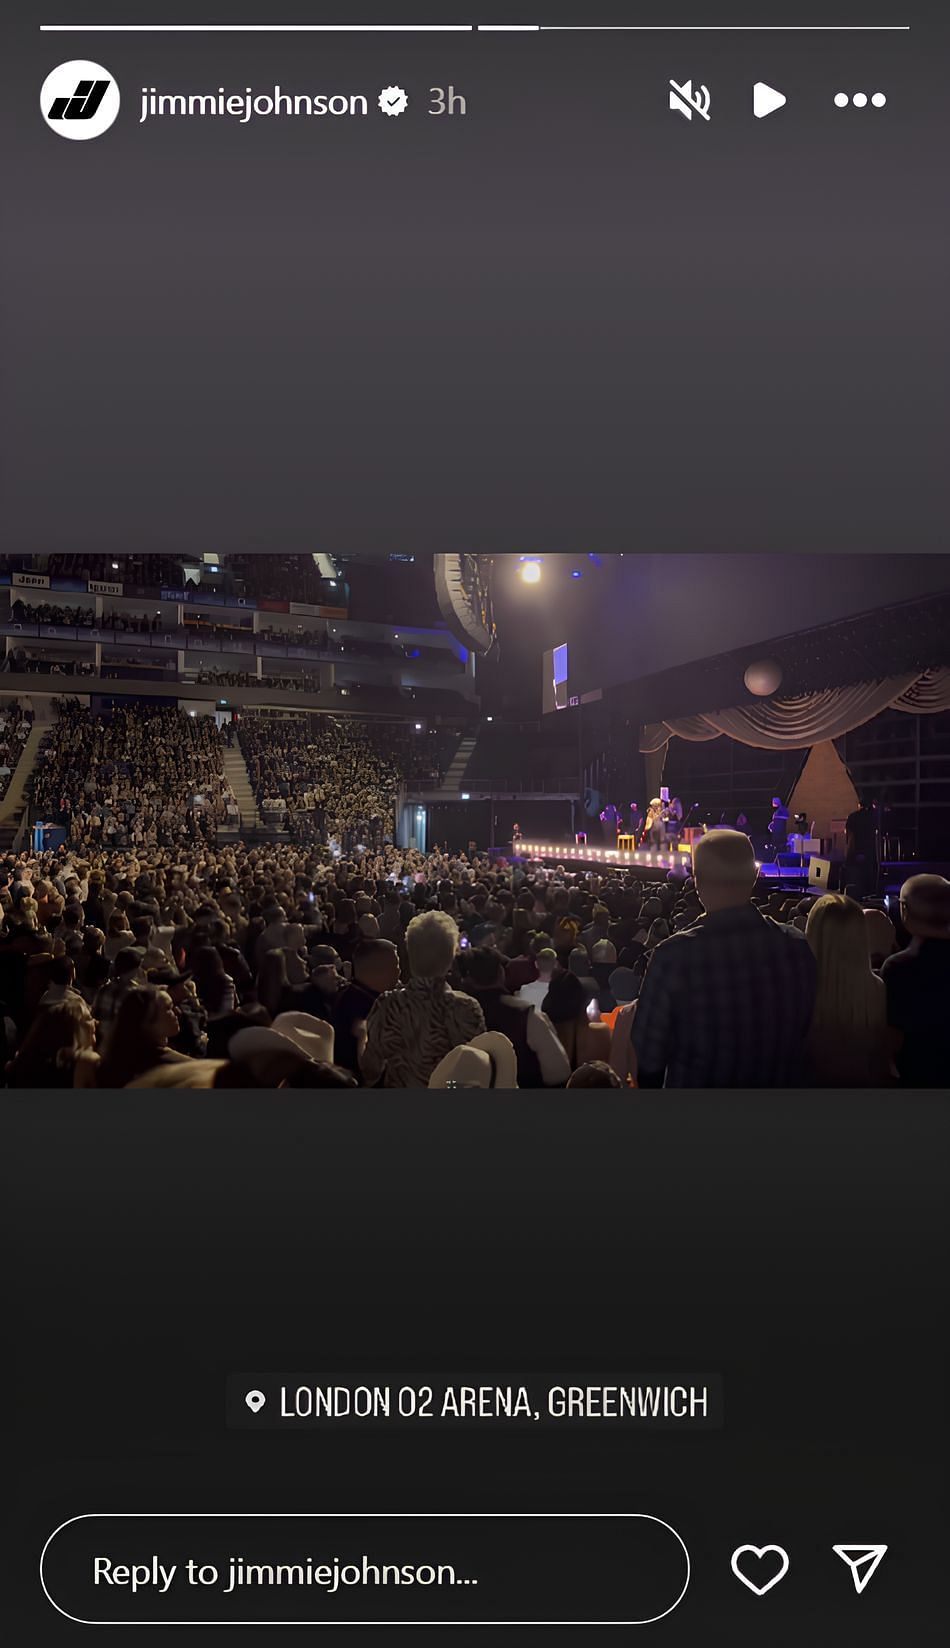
(15, 727)
(139, 778)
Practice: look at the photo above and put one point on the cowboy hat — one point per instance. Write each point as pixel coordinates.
(488, 1061)
(292, 1037)
(313, 1036)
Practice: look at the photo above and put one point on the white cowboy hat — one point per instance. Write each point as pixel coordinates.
(298, 1036)
(313, 1036)
(488, 1061)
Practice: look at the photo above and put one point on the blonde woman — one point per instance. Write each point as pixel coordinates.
(848, 1043)
(59, 1048)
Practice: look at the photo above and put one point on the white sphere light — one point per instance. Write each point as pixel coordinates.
(763, 677)
(531, 572)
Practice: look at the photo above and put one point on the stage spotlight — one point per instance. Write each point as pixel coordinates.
(531, 572)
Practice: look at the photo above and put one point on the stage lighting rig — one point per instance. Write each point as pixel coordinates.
(463, 589)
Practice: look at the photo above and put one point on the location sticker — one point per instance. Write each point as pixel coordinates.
(255, 1400)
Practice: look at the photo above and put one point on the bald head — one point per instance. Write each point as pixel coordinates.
(925, 906)
(724, 869)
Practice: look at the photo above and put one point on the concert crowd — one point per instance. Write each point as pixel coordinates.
(15, 726)
(131, 779)
(191, 965)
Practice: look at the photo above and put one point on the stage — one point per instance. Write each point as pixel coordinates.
(656, 866)
(652, 864)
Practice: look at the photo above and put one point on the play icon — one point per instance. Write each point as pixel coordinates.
(765, 100)
(863, 1560)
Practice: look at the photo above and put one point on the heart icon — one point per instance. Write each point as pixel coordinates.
(754, 1556)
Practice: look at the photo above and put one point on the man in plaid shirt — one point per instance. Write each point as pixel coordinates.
(727, 1002)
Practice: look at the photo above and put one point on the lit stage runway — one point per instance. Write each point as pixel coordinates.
(652, 865)
(650, 862)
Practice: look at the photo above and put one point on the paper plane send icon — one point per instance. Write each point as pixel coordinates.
(765, 100)
(863, 1560)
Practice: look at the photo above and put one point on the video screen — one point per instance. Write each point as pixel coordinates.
(475, 825)
(555, 679)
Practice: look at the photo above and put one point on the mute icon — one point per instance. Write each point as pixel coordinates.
(684, 101)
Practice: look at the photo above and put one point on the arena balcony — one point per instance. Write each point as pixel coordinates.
(174, 643)
(247, 580)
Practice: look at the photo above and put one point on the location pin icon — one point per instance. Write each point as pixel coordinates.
(255, 1400)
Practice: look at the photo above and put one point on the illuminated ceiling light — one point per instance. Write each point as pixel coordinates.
(530, 572)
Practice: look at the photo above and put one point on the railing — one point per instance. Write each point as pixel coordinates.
(548, 786)
(479, 788)
(194, 638)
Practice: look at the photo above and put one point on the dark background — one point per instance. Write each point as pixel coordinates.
(796, 1244)
(630, 616)
(568, 315)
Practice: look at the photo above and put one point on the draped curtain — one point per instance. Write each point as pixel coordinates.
(809, 718)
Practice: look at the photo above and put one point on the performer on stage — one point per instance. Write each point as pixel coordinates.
(861, 859)
(613, 823)
(778, 828)
(654, 831)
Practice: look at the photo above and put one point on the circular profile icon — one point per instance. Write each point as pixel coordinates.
(79, 99)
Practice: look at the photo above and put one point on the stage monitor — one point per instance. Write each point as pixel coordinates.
(554, 694)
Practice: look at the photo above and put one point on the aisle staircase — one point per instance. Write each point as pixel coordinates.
(455, 772)
(235, 771)
(13, 804)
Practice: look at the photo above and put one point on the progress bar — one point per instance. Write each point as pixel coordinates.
(475, 28)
